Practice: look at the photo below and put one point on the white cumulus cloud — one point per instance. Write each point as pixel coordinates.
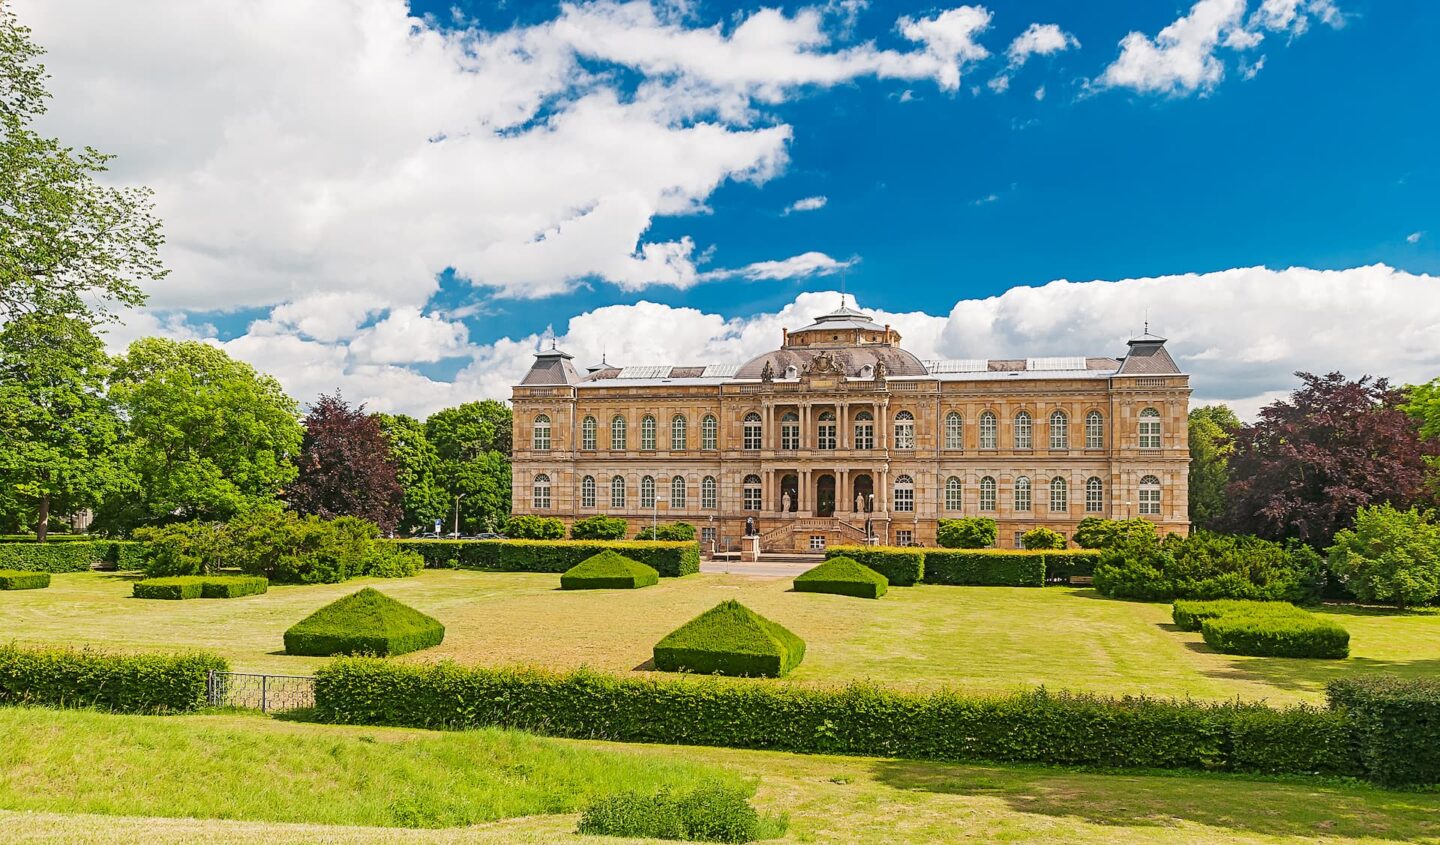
(806, 204)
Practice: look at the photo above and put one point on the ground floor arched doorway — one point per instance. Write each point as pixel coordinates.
(789, 493)
(863, 500)
(825, 495)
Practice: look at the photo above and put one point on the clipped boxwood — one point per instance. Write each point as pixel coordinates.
(842, 576)
(1397, 725)
(232, 586)
(124, 683)
(1276, 636)
(200, 587)
(608, 570)
(865, 719)
(10, 579)
(367, 622)
(730, 639)
(901, 566)
(670, 559)
(985, 567)
(1063, 564)
(73, 556)
(1190, 614)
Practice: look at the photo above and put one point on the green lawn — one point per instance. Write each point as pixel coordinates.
(79, 777)
(983, 639)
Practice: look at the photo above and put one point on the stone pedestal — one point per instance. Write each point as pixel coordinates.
(749, 549)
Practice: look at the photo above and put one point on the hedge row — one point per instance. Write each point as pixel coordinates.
(11, 579)
(136, 683)
(1397, 726)
(1277, 636)
(905, 567)
(1032, 727)
(200, 587)
(1190, 614)
(71, 556)
(670, 559)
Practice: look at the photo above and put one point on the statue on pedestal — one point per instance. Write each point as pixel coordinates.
(785, 502)
(859, 503)
(749, 526)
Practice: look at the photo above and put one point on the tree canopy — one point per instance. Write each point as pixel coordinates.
(417, 468)
(473, 441)
(345, 466)
(1212, 440)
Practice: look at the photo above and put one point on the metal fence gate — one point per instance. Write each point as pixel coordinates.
(267, 693)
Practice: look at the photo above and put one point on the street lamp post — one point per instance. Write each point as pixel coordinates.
(457, 514)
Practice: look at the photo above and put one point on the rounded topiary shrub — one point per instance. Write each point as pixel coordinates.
(367, 622)
(730, 639)
(608, 570)
(11, 579)
(843, 576)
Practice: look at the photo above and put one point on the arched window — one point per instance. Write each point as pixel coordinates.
(825, 431)
(587, 492)
(709, 432)
(588, 427)
(647, 492)
(752, 493)
(1022, 494)
(617, 492)
(677, 433)
(647, 433)
(617, 432)
(1149, 429)
(540, 497)
(709, 493)
(952, 494)
(1023, 431)
(1059, 430)
(904, 494)
(677, 492)
(904, 430)
(988, 430)
(1094, 495)
(954, 431)
(987, 494)
(1094, 430)
(1059, 495)
(1150, 495)
(540, 437)
(752, 430)
(790, 431)
(864, 430)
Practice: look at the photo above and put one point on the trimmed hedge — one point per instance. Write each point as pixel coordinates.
(901, 566)
(367, 622)
(608, 570)
(11, 579)
(1031, 727)
(124, 683)
(985, 567)
(1063, 564)
(1397, 726)
(71, 555)
(670, 559)
(200, 587)
(1276, 636)
(842, 576)
(1189, 614)
(730, 639)
(711, 813)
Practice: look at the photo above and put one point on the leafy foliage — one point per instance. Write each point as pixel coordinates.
(1042, 539)
(345, 467)
(730, 639)
(863, 719)
(385, 560)
(710, 813)
(367, 622)
(599, 527)
(417, 469)
(1276, 635)
(138, 683)
(1309, 463)
(535, 528)
(206, 436)
(669, 559)
(842, 576)
(986, 567)
(473, 442)
(11, 579)
(200, 587)
(1397, 726)
(1093, 532)
(901, 566)
(668, 532)
(1212, 440)
(57, 557)
(968, 532)
(1390, 556)
(1189, 614)
(608, 570)
(1210, 566)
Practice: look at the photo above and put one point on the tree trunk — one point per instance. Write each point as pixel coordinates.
(42, 525)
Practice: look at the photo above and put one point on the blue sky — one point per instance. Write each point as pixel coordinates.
(403, 199)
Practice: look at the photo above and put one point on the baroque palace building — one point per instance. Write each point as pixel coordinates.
(841, 434)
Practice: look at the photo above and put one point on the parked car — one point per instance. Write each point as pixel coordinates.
(490, 535)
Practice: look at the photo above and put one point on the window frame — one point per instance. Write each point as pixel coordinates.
(1059, 429)
(1150, 496)
(619, 433)
(989, 494)
(905, 431)
(647, 433)
(989, 430)
(540, 492)
(540, 433)
(752, 493)
(617, 492)
(647, 492)
(679, 433)
(709, 493)
(1059, 493)
(679, 492)
(1024, 486)
(1149, 429)
(588, 428)
(1094, 430)
(709, 433)
(1023, 428)
(587, 492)
(954, 494)
(1094, 495)
(752, 429)
(903, 494)
(954, 431)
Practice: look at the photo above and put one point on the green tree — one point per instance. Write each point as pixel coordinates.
(1422, 401)
(58, 432)
(535, 528)
(68, 245)
(473, 441)
(206, 435)
(1042, 538)
(967, 532)
(1093, 532)
(417, 467)
(599, 527)
(1212, 440)
(1389, 555)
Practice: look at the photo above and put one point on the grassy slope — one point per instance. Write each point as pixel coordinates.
(983, 639)
(262, 769)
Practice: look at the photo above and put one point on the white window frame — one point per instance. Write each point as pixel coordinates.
(864, 430)
(1094, 495)
(617, 492)
(989, 430)
(679, 433)
(1059, 495)
(1024, 499)
(647, 491)
(540, 492)
(588, 427)
(904, 494)
(752, 493)
(754, 431)
(677, 492)
(709, 432)
(587, 492)
(1094, 430)
(954, 494)
(540, 434)
(647, 433)
(1149, 496)
(1024, 430)
(904, 430)
(790, 431)
(709, 493)
(954, 431)
(618, 433)
(825, 431)
(1149, 429)
(1059, 430)
(989, 494)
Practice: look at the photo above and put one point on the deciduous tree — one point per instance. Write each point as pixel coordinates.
(474, 444)
(1212, 440)
(417, 468)
(345, 466)
(1390, 556)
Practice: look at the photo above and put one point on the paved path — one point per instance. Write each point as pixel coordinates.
(769, 570)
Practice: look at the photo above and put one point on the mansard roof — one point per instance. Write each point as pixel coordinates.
(552, 367)
(1148, 357)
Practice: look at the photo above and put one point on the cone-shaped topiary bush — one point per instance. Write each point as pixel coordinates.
(730, 639)
(843, 576)
(367, 622)
(608, 570)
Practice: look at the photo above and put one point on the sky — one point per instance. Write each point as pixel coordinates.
(402, 201)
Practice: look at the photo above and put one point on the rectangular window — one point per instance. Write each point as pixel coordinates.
(904, 435)
(1150, 502)
(817, 542)
(1019, 539)
(827, 436)
(587, 438)
(865, 435)
(904, 537)
(707, 539)
(789, 435)
(905, 499)
(1149, 435)
(752, 498)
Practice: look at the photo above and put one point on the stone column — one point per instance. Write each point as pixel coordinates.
(806, 438)
(844, 422)
(843, 500)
